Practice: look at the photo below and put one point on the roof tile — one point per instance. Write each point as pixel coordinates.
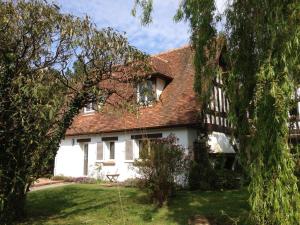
(177, 105)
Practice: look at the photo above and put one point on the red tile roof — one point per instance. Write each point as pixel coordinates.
(177, 105)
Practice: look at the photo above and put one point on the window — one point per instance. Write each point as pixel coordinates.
(111, 150)
(99, 151)
(144, 147)
(146, 92)
(90, 107)
(129, 150)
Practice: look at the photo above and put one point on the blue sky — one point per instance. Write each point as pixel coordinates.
(163, 34)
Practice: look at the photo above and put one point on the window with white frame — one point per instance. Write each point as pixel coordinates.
(146, 92)
(111, 149)
(144, 147)
(90, 107)
(129, 150)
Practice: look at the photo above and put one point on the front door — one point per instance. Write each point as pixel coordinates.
(86, 158)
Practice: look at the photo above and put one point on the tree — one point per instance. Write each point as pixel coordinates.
(39, 95)
(257, 55)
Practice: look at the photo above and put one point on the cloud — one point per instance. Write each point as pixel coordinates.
(161, 35)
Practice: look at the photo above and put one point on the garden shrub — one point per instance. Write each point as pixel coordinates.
(161, 166)
(200, 177)
(81, 180)
(60, 177)
(131, 182)
(200, 174)
(207, 172)
(227, 179)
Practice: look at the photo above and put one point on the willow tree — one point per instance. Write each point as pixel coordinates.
(39, 96)
(257, 54)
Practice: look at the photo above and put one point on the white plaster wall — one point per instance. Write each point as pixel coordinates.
(69, 159)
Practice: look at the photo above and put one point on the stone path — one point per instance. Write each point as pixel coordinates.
(36, 188)
(46, 181)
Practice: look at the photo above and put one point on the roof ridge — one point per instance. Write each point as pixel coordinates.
(171, 50)
(164, 60)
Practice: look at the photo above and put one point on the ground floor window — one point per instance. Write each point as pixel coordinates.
(144, 147)
(111, 150)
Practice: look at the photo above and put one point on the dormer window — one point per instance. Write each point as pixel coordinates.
(90, 107)
(149, 91)
(146, 92)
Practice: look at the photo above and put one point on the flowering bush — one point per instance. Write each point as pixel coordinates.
(81, 180)
(161, 163)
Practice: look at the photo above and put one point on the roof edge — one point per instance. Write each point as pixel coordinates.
(134, 129)
(171, 50)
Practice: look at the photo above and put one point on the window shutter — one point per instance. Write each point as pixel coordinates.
(129, 150)
(100, 151)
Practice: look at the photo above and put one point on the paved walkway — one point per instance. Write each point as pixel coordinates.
(36, 188)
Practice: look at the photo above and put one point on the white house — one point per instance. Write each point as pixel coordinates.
(99, 144)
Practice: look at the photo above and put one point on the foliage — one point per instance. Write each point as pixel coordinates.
(273, 54)
(131, 182)
(201, 174)
(89, 204)
(147, 6)
(161, 165)
(81, 180)
(59, 177)
(226, 179)
(207, 173)
(296, 153)
(258, 57)
(39, 96)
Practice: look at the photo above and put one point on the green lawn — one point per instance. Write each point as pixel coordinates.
(92, 204)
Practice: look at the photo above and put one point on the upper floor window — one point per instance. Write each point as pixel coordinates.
(146, 92)
(150, 90)
(90, 107)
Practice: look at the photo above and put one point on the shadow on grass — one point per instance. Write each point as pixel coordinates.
(65, 201)
(65, 205)
(226, 207)
(219, 207)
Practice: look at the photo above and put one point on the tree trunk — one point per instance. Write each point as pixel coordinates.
(13, 207)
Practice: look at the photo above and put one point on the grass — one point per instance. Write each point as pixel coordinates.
(92, 204)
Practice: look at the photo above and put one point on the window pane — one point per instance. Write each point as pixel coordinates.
(144, 148)
(89, 107)
(100, 151)
(112, 150)
(145, 91)
(129, 150)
